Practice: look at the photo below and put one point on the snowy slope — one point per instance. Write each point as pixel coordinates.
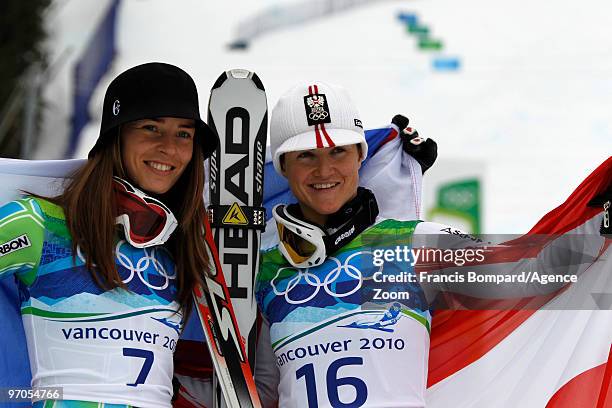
(532, 99)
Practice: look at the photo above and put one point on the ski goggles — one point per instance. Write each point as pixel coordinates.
(301, 243)
(146, 221)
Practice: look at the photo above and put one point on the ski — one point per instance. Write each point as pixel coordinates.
(223, 338)
(238, 111)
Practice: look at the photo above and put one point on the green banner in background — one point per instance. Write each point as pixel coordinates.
(458, 203)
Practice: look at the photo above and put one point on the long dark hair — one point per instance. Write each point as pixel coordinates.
(88, 204)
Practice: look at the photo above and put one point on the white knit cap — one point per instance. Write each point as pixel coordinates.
(314, 115)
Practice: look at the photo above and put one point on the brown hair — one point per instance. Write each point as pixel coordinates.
(90, 219)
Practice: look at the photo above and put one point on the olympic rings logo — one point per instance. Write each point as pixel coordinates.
(140, 269)
(312, 280)
(318, 115)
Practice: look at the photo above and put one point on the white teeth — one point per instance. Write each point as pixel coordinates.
(159, 166)
(322, 186)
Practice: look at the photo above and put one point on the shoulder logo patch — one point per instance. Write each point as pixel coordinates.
(15, 244)
(235, 216)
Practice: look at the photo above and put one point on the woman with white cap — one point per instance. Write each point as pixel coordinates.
(346, 317)
(328, 344)
(107, 268)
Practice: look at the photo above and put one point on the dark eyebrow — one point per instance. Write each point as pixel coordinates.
(182, 125)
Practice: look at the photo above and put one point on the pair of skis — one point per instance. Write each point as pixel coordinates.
(238, 112)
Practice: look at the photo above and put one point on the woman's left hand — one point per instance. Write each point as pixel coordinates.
(424, 150)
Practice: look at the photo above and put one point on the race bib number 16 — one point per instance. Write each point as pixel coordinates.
(334, 381)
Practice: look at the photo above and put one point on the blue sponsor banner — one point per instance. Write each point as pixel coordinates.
(446, 64)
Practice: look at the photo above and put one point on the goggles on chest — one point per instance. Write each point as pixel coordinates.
(146, 221)
(306, 245)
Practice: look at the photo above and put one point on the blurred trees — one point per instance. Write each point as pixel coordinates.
(22, 34)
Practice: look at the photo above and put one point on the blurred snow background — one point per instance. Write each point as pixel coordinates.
(532, 101)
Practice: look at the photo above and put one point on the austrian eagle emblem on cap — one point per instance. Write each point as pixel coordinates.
(317, 111)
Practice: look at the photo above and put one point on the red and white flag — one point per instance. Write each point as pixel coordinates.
(544, 357)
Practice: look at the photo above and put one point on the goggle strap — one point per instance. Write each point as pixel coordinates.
(344, 234)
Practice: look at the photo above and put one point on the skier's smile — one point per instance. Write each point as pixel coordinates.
(323, 180)
(155, 152)
(324, 186)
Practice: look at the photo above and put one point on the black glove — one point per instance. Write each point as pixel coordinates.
(423, 151)
(604, 201)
